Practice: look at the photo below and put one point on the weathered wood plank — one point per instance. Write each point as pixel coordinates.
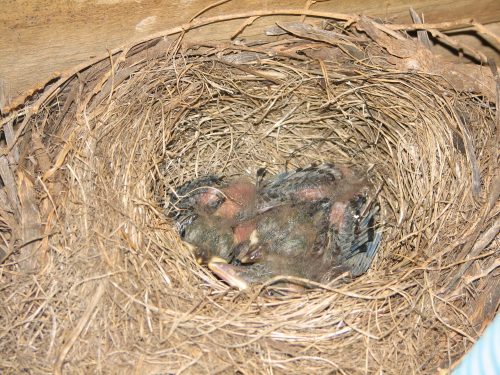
(38, 37)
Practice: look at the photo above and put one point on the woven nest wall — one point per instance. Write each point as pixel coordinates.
(96, 279)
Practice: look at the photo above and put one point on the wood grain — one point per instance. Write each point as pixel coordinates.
(39, 37)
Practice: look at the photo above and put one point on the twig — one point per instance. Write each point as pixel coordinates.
(243, 26)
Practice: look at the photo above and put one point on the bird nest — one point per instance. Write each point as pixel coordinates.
(96, 279)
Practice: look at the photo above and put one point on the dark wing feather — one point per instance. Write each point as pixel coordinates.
(358, 238)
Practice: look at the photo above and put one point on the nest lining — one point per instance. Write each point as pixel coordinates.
(112, 273)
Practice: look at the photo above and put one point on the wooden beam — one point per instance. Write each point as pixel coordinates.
(38, 37)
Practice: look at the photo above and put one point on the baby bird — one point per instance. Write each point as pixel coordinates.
(308, 249)
(314, 223)
(287, 240)
(310, 184)
(214, 196)
(209, 213)
(288, 231)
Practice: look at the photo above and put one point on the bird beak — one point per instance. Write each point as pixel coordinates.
(228, 273)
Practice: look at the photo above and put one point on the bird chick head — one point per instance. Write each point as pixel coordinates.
(239, 199)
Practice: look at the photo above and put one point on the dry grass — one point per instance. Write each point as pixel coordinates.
(95, 278)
